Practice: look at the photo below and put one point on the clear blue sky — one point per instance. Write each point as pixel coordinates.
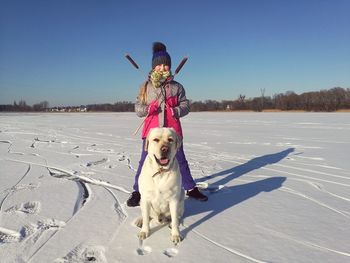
(71, 52)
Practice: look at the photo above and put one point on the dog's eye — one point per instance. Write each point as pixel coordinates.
(170, 140)
(156, 140)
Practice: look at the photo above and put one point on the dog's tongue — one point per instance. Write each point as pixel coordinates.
(164, 161)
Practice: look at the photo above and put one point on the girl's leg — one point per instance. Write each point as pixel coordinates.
(142, 160)
(187, 179)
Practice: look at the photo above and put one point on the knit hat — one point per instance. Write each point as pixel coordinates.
(160, 56)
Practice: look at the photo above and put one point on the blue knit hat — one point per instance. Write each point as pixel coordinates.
(160, 55)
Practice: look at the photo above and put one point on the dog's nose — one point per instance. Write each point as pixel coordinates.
(164, 149)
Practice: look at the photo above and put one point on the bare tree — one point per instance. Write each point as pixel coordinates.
(262, 90)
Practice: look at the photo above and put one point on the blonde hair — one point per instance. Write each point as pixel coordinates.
(142, 97)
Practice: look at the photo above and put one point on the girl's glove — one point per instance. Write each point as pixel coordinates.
(153, 108)
(174, 112)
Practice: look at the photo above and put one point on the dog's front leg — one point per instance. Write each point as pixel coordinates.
(145, 210)
(175, 232)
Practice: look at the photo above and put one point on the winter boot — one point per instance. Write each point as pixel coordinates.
(134, 199)
(195, 194)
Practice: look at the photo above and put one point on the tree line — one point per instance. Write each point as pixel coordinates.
(22, 106)
(123, 106)
(324, 100)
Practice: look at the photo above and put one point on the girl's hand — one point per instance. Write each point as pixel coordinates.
(153, 108)
(173, 112)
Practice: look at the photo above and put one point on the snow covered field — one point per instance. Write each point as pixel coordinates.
(280, 189)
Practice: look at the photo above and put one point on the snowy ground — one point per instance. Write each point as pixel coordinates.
(281, 189)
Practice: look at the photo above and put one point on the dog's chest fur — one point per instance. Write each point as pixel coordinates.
(163, 192)
(160, 188)
(164, 186)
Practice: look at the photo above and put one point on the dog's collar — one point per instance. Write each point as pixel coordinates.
(160, 171)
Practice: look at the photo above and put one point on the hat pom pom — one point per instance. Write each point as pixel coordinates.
(158, 47)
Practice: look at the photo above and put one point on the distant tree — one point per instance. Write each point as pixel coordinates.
(347, 99)
(22, 106)
(337, 98)
(306, 101)
(240, 104)
(256, 104)
(262, 90)
(123, 106)
(198, 106)
(42, 106)
(213, 105)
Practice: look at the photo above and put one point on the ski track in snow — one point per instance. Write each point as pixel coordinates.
(205, 163)
(302, 242)
(304, 196)
(230, 250)
(222, 157)
(83, 181)
(34, 232)
(71, 176)
(14, 188)
(271, 231)
(306, 179)
(9, 143)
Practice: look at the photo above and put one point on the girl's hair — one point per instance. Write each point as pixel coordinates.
(143, 93)
(142, 97)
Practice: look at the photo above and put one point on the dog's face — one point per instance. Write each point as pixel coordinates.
(162, 144)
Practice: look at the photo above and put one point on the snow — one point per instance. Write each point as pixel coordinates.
(278, 187)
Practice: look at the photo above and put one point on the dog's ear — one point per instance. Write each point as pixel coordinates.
(146, 143)
(178, 141)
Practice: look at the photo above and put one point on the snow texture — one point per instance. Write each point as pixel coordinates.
(278, 187)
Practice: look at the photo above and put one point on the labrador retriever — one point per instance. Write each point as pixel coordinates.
(162, 195)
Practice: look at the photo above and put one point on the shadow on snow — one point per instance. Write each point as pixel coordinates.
(233, 195)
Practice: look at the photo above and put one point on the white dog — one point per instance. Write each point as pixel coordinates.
(162, 195)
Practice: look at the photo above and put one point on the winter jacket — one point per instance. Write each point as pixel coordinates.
(175, 99)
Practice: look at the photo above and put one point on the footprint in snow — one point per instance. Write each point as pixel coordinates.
(104, 160)
(9, 236)
(28, 230)
(144, 250)
(35, 231)
(171, 252)
(28, 208)
(50, 223)
(121, 158)
(84, 254)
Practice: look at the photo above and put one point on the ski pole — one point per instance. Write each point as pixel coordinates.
(128, 57)
(179, 67)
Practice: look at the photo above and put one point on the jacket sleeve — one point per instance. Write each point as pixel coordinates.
(184, 105)
(141, 109)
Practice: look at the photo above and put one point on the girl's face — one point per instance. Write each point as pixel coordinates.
(159, 75)
(162, 68)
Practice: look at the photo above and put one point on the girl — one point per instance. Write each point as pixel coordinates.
(163, 101)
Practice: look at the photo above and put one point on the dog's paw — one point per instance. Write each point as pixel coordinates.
(143, 235)
(176, 239)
